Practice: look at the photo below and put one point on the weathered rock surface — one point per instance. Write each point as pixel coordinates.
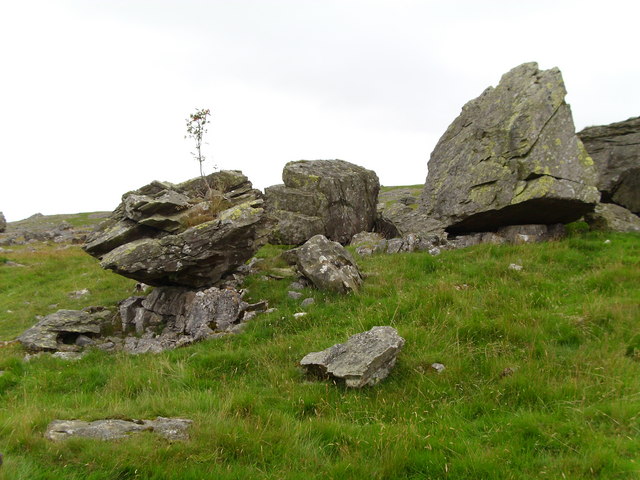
(165, 234)
(3, 223)
(114, 429)
(171, 317)
(365, 359)
(328, 265)
(333, 198)
(60, 331)
(615, 149)
(511, 157)
(613, 218)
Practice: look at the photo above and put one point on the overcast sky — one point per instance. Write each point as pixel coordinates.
(94, 93)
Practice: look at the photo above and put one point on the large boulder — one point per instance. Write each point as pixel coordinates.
(186, 234)
(3, 223)
(365, 359)
(511, 157)
(333, 198)
(326, 264)
(613, 218)
(615, 149)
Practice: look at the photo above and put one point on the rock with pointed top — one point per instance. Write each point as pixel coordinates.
(511, 157)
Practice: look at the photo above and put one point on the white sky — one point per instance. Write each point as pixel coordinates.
(94, 93)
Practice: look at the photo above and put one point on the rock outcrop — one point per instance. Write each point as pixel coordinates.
(115, 429)
(165, 234)
(511, 157)
(333, 198)
(326, 264)
(613, 218)
(365, 359)
(3, 223)
(615, 149)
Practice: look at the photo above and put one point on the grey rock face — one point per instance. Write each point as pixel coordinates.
(613, 218)
(615, 149)
(328, 197)
(171, 317)
(365, 359)
(165, 234)
(328, 265)
(60, 330)
(3, 223)
(114, 429)
(511, 157)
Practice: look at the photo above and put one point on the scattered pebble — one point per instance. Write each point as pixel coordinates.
(607, 242)
(308, 301)
(515, 267)
(299, 314)
(438, 367)
(294, 295)
(507, 372)
(434, 251)
(79, 293)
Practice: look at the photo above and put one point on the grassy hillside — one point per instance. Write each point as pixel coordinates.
(542, 374)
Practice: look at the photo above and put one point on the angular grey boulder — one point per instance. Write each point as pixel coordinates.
(115, 429)
(59, 331)
(328, 265)
(511, 157)
(365, 359)
(329, 197)
(612, 218)
(615, 149)
(165, 234)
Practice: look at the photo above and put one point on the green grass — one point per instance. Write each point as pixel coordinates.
(568, 325)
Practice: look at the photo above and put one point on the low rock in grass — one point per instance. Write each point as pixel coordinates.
(328, 265)
(114, 429)
(60, 330)
(365, 359)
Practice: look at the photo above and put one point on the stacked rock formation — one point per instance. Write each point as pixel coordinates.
(511, 157)
(333, 198)
(183, 235)
(615, 149)
(3, 223)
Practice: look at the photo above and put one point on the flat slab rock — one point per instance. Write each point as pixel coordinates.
(114, 429)
(365, 359)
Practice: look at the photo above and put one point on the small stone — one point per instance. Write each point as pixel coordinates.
(79, 293)
(307, 301)
(299, 314)
(607, 242)
(516, 267)
(299, 284)
(434, 251)
(295, 295)
(69, 356)
(438, 367)
(83, 341)
(507, 372)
